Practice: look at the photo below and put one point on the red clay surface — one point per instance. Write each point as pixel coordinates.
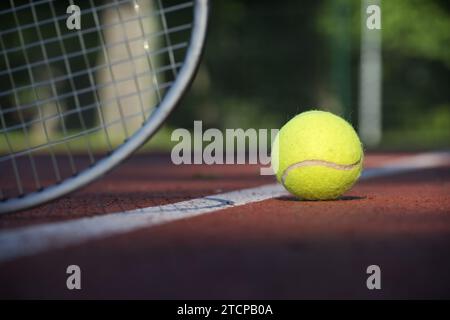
(275, 249)
(148, 180)
(142, 181)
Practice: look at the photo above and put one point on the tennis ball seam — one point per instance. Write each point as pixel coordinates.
(323, 163)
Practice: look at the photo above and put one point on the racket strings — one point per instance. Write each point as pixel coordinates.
(65, 92)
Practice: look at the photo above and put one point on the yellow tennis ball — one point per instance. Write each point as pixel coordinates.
(317, 156)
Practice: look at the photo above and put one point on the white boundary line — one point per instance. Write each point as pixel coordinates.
(31, 240)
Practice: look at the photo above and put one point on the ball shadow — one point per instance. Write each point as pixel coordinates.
(343, 198)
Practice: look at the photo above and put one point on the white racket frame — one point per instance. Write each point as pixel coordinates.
(171, 99)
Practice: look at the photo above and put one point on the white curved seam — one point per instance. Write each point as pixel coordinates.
(322, 163)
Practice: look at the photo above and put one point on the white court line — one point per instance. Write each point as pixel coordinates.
(31, 240)
(407, 164)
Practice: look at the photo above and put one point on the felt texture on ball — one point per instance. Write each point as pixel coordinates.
(317, 156)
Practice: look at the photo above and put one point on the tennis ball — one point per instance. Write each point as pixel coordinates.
(317, 156)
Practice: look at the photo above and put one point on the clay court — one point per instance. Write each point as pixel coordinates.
(277, 248)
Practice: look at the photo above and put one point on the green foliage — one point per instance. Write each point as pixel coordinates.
(262, 62)
(416, 62)
(429, 131)
(266, 62)
(417, 28)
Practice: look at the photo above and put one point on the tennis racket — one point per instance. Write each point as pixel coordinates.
(91, 78)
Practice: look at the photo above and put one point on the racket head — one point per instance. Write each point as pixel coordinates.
(112, 82)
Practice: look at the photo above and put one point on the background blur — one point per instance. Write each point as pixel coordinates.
(267, 61)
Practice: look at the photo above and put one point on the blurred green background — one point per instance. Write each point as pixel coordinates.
(266, 61)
